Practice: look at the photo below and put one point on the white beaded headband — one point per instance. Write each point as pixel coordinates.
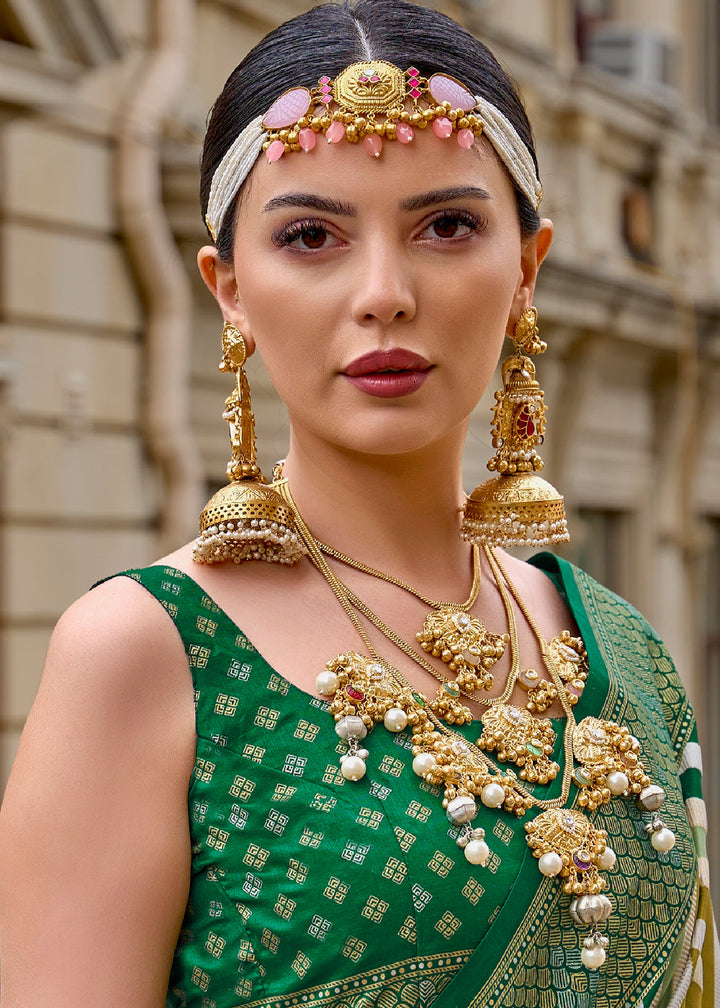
(345, 109)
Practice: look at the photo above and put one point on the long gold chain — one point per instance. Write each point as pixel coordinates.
(399, 583)
(348, 600)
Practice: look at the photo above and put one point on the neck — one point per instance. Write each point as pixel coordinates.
(400, 514)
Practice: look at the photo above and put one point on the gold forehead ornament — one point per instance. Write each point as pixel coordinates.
(367, 103)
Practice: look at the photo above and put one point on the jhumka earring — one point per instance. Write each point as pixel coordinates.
(517, 507)
(245, 520)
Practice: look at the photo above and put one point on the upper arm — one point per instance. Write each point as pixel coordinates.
(94, 841)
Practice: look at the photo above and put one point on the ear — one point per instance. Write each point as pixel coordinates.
(533, 251)
(221, 281)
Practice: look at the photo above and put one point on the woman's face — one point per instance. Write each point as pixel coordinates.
(378, 290)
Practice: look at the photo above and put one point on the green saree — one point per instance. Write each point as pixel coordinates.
(311, 890)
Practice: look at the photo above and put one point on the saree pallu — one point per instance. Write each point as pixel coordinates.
(310, 890)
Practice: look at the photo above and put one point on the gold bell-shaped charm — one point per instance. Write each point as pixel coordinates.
(247, 519)
(517, 507)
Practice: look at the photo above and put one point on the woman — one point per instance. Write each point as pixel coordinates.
(377, 274)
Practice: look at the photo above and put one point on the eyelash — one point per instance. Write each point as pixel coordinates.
(475, 224)
(285, 236)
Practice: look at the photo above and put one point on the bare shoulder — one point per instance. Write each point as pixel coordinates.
(538, 592)
(94, 830)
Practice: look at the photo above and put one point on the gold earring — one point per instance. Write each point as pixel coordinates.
(517, 507)
(245, 520)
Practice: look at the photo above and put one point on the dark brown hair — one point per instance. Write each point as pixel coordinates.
(329, 38)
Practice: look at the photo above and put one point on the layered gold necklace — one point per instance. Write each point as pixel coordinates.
(601, 757)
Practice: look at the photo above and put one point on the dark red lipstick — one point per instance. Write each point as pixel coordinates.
(388, 373)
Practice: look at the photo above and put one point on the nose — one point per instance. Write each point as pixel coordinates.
(383, 289)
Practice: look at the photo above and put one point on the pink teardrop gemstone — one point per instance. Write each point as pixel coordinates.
(287, 109)
(307, 139)
(405, 133)
(447, 89)
(373, 145)
(335, 132)
(275, 151)
(466, 138)
(442, 127)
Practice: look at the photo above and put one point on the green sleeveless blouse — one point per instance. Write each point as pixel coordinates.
(310, 890)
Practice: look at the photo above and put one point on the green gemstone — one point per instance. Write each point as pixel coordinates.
(581, 777)
(452, 688)
(534, 750)
(419, 699)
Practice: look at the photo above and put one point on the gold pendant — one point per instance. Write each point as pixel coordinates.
(448, 706)
(569, 660)
(609, 762)
(567, 845)
(518, 737)
(464, 644)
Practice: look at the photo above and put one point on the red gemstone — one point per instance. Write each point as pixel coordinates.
(354, 694)
(413, 72)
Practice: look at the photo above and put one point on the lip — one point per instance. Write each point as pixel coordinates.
(397, 359)
(388, 374)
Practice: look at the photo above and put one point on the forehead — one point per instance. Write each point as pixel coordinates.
(345, 170)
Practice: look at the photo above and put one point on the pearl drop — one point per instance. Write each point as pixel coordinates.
(617, 782)
(663, 840)
(395, 719)
(607, 859)
(423, 762)
(353, 768)
(550, 864)
(593, 958)
(327, 683)
(492, 795)
(477, 852)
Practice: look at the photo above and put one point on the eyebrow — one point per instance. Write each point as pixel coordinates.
(326, 205)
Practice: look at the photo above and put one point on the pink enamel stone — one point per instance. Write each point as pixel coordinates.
(275, 151)
(287, 109)
(447, 89)
(442, 127)
(373, 145)
(307, 139)
(335, 132)
(405, 133)
(466, 138)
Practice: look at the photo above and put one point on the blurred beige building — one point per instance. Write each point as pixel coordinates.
(110, 399)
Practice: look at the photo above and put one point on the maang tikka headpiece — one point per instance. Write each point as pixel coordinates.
(367, 103)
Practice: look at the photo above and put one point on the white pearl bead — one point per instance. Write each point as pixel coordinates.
(550, 864)
(477, 852)
(607, 859)
(326, 683)
(663, 840)
(492, 795)
(423, 762)
(617, 782)
(395, 719)
(353, 768)
(593, 957)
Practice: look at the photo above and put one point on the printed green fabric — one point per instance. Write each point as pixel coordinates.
(308, 889)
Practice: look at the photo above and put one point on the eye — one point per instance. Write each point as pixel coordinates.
(305, 236)
(451, 225)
